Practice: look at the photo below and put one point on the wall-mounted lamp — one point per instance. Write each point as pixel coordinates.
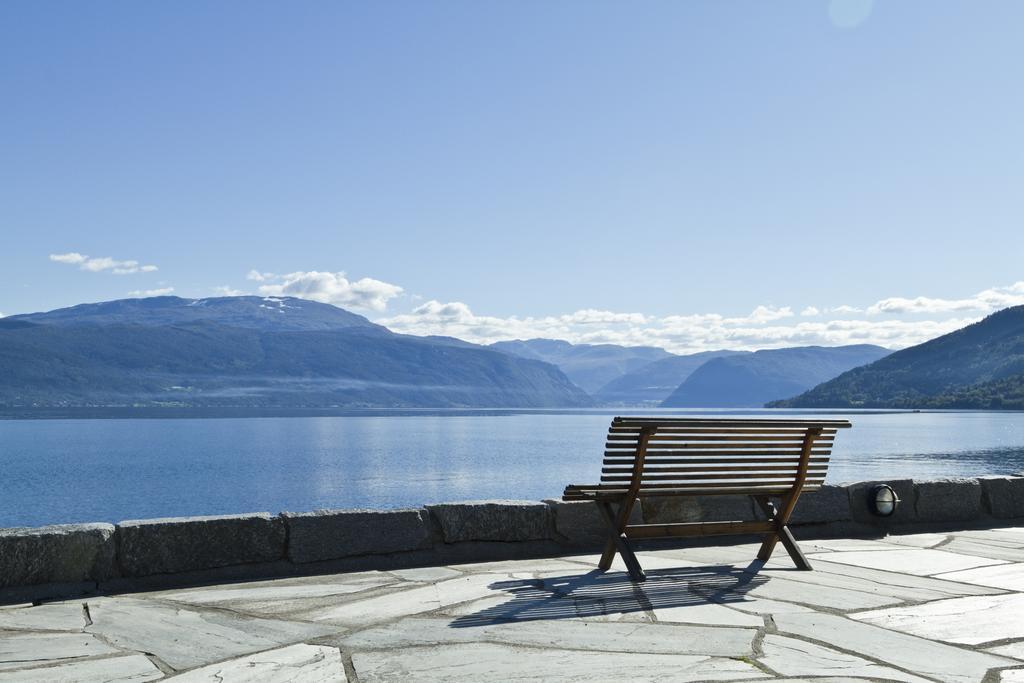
(883, 500)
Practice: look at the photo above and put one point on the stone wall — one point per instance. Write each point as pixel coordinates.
(69, 558)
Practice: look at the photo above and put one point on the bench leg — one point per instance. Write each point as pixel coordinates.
(782, 533)
(618, 541)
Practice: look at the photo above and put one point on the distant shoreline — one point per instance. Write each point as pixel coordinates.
(120, 413)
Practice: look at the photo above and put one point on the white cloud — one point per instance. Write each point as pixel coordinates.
(844, 310)
(258, 276)
(985, 301)
(226, 290)
(332, 288)
(101, 263)
(141, 293)
(810, 311)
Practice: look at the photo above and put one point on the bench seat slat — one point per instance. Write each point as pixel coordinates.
(658, 436)
(743, 451)
(737, 477)
(792, 468)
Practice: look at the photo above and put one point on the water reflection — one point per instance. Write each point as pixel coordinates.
(64, 470)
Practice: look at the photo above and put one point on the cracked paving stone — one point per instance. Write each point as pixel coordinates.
(293, 664)
(946, 663)
(185, 637)
(108, 669)
(1007, 576)
(279, 597)
(984, 548)
(917, 540)
(426, 574)
(474, 662)
(968, 621)
(792, 657)
(897, 587)
(569, 634)
(1012, 676)
(18, 650)
(408, 602)
(920, 561)
(60, 616)
(809, 594)
(1015, 650)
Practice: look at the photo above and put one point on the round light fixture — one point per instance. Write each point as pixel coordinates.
(883, 500)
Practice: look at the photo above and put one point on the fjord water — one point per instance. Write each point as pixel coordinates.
(79, 470)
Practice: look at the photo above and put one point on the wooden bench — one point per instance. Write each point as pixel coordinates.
(763, 459)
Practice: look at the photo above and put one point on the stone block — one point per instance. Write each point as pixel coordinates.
(948, 500)
(1003, 497)
(827, 504)
(861, 491)
(63, 553)
(579, 522)
(182, 544)
(493, 520)
(333, 534)
(668, 509)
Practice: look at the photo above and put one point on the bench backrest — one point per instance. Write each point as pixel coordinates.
(717, 456)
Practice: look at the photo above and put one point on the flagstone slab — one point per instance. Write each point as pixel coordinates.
(538, 565)
(426, 574)
(981, 547)
(845, 544)
(886, 585)
(814, 596)
(969, 621)
(792, 657)
(408, 602)
(186, 638)
(475, 662)
(920, 561)
(59, 616)
(755, 605)
(917, 540)
(1012, 676)
(709, 613)
(895, 582)
(947, 663)
(300, 663)
(280, 597)
(1015, 650)
(1006, 576)
(18, 650)
(135, 668)
(570, 634)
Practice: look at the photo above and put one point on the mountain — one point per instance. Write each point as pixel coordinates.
(255, 312)
(751, 380)
(589, 366)
(652, 383)
(978, 366)
(255, 352)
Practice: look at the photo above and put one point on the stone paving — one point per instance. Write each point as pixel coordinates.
(923, 607)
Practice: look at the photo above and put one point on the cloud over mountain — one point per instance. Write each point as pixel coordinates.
(329, 288)
(96, 264)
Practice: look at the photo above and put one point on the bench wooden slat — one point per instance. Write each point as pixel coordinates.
(730, 477)
(792, 467)
(742, 449)
(714, 461)
(674, 490)
(658, 436)
(688, 422)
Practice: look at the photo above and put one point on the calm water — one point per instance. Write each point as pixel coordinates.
(73, 470)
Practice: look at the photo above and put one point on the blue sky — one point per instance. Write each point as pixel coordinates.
(687, 174)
